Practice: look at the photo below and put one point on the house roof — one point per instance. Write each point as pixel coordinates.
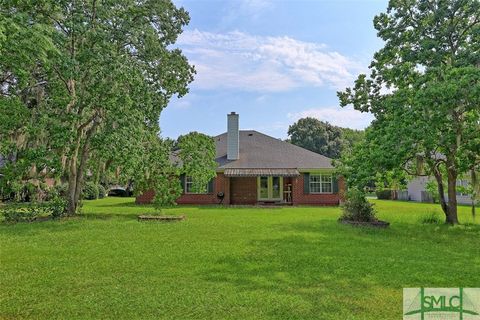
(259, 151)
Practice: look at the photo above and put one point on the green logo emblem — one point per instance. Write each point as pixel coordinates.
(441, 303)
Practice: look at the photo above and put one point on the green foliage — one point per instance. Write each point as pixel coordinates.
(430, 218)
(90, 191)
(385, 194)
(351, 138)
(324, 138)
(317, 136)
(81, 84)
(17, 213)
(61, 190)
(102, 192)
(432, 188)
(197, 154)
(57, 207)
(356, 207)
(431, 110)
(28, 212)
(157, 172)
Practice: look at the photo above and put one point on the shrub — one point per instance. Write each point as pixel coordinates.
(57, 207)
(101, 191)
(90, 191)
(29, 212)
(357, 207)
(62, 189)
(24, 212)
(385, 194)
(431, 218)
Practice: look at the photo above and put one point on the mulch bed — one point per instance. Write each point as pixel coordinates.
(376, 224)
(161, 218)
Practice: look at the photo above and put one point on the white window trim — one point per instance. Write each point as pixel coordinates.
(321, 183)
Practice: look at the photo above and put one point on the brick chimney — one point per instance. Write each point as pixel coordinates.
(233, 136)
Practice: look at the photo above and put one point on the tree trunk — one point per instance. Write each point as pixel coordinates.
(77, 170)
(441, 190)
(474, 183)
(473, 208)
(72, 186)
(452, 217)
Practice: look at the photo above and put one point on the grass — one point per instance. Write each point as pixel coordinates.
(229, 263)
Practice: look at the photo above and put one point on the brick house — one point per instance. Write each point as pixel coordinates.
(254, 168)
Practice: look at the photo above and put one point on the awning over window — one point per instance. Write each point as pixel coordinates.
(261, 172)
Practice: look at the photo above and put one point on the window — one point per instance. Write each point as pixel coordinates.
(321, 183)
(190, 187)
(270, 188)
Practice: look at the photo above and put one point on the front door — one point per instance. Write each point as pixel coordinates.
(270, 188)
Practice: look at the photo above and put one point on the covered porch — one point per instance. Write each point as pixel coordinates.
(261, 186)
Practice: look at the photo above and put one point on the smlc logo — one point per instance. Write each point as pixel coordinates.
(441, 303)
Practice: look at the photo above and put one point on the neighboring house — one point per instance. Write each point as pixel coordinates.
(254, 168)
(417, 190)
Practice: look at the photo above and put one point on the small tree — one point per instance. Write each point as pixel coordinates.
(156, 172)
(194, 155)
(357, 208)
(197, 153)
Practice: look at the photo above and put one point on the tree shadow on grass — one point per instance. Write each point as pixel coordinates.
(110, 216)
(338, 268)
(122, 205)
(51, 226)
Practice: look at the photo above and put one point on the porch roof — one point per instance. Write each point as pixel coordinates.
(261, 172)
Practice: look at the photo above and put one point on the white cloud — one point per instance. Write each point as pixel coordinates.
(255, 63)
(346, 117)
(241, 9)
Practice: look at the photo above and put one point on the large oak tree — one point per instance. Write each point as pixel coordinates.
(86, 79)
(424, 90)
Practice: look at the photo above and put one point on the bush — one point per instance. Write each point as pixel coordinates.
(101, 191)
(357, 207)
(385, 194)
(24, 212)
(29, 212)
(90, 191)
(61, 190)
(57, 207)
(431, 218)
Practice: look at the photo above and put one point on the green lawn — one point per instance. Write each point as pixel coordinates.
(229, 263)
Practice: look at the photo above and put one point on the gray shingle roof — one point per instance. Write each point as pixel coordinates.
(258, 151)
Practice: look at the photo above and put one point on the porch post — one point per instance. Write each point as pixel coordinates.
(226, 200)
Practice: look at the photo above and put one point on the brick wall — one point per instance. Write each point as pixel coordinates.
(243, 191)
(299, 198)
(146, 197)
(221, 184)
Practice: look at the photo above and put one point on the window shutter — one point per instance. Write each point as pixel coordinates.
(306, 183)
(334, 184)
(182, 182)
(210, 186)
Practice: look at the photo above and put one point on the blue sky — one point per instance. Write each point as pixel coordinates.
(272, 62)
